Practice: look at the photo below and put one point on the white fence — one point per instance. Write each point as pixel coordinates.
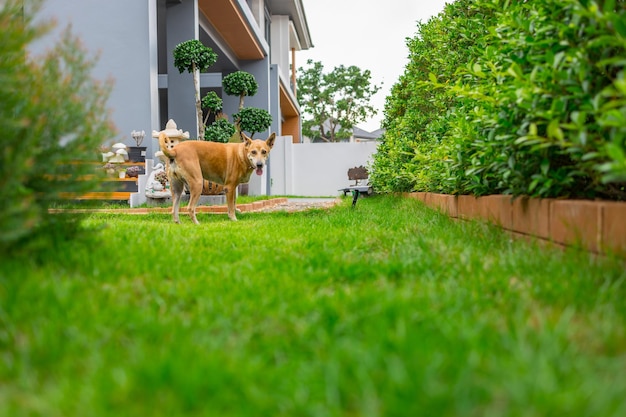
(313, 169)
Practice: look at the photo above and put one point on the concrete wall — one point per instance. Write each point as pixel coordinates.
(315, 169)
(280, 44)
(129, 58)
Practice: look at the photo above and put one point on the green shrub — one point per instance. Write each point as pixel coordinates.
(419, 146)
(192, 55)
(219, 131)
(537, 106)
(212, 102)
(240, 84)
(53, 117)
(253, 120)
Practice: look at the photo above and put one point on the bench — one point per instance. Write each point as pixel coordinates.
(361, 186)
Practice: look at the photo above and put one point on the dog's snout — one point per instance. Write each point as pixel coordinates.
(259, 164)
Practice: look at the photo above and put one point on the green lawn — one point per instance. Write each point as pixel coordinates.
(389, 309)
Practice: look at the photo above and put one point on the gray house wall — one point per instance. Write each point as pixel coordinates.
(129, 58)
(280, 36)
(134, 40)
(181, 26)
(260, 71)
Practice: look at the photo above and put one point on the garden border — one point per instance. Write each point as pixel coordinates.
(596, 226)
(217, 209)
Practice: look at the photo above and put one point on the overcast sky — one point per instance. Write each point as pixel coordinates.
(367, 33)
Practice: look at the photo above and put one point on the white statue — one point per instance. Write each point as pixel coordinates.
(154, 186)
(174, 133)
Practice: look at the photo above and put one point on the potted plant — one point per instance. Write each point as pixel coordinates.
(161, 177)
(137, 153)
(114, 170)
(133, 172)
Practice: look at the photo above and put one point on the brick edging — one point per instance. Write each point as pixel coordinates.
(597, 226)
(248, 207)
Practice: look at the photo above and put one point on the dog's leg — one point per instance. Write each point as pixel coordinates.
(231, 196)
(195, 190)
(177, 190)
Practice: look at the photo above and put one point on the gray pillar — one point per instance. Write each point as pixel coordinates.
(230, 105)
(274, 93)
(182, 25)
(261, 71)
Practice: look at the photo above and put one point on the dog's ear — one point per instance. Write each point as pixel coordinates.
(244, 137)
(270, 140)
(247, 141)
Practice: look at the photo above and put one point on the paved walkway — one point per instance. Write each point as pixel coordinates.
(299, 204)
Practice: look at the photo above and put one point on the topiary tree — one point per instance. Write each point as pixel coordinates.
(212, 103)
(192, 56)
(240, 84)
(252, 120)
(219, 131)
(46, 134)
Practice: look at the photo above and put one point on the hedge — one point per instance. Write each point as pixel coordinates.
(522, 98)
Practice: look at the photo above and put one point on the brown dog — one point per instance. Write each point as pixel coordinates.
(229, 164)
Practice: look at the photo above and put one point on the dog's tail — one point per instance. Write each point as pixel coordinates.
(167, 145)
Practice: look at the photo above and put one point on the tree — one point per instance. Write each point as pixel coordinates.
(49, 138)
(213, 103)
(192, 56)
(241, 84)
(335, 102)
(252, 120)
(221, 129)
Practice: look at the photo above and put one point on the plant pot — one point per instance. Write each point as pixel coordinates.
(122, 174)
(137, 153)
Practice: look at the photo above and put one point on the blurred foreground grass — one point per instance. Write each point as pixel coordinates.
(387, 309)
